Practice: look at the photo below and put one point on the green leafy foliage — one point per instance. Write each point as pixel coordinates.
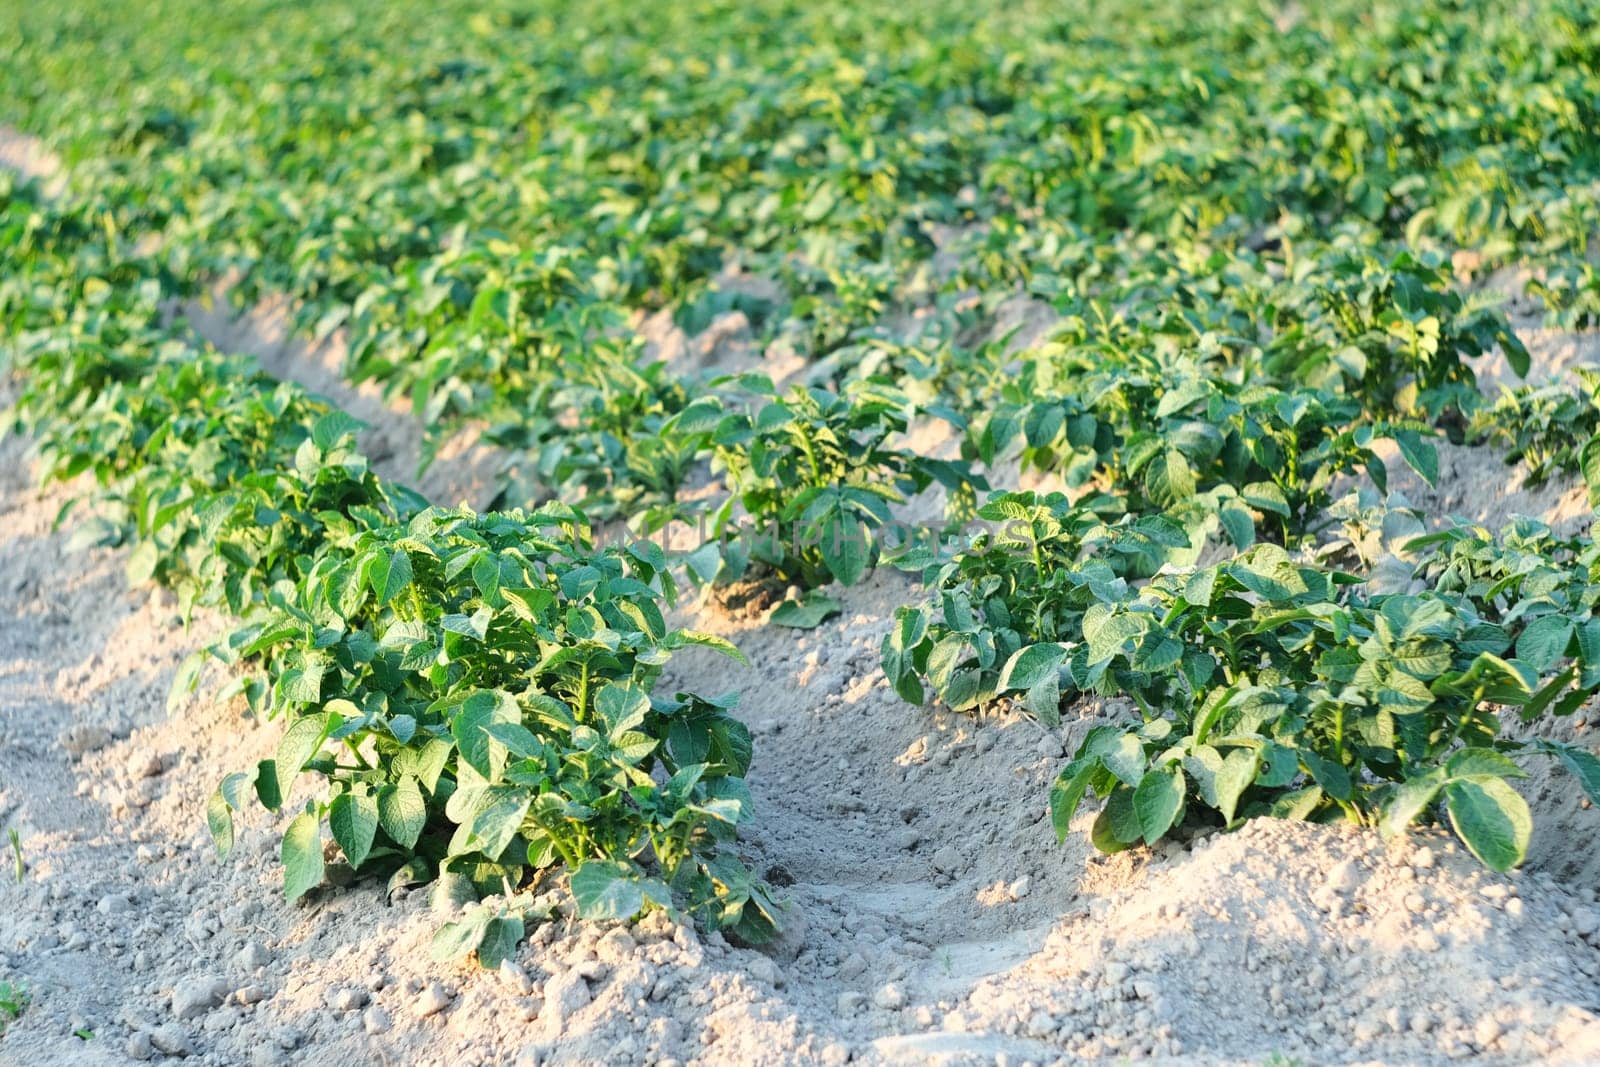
(14, 998)
(478, 690)
(1003, 610)
(1274, 688)
(477, 211)
(806, 613)
(491, 931)
(1241, 219)
(1399, 336)
(221, 480)
(1551, 428)
(1179, 439)
(814, 475)
(609, 439)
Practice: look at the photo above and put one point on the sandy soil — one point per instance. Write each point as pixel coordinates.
(932, 917)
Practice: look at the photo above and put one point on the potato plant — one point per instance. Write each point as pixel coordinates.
(1540, 587)
(1025, 584)
(1230, 459)
(475, 273)
(1271, 688)
(604, 435)
(1396, 335)
(815, 474)
(1552, 428)
(221, 480)
(478, 691)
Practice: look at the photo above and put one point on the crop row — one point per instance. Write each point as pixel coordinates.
(476, 690)
(1242, 227)
(1268, 686)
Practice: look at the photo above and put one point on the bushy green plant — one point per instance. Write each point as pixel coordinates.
(1551, 428)
(606, 436)
(1178, 439)
(1396, 335)
(1542, 588)
(1024, 584)
(220, 479)
(1265, 690)
(239, 481)
(478, 691)
(815, 473)
(14, 998)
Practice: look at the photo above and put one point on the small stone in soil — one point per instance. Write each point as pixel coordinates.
(433, 999)
(84, 738)
(193, 997)
(139, 1046)
(764, 970)
(171, 1040)
(515, 978)
(114, 904)
(348, 999)
(564, 996)
(253, 956)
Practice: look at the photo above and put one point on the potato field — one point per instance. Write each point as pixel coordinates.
(758, 532)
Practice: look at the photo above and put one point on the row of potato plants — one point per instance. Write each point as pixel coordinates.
(1267, 684)
(1165, 437)
(1242, 331)
(493, 674)
(476, 694)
